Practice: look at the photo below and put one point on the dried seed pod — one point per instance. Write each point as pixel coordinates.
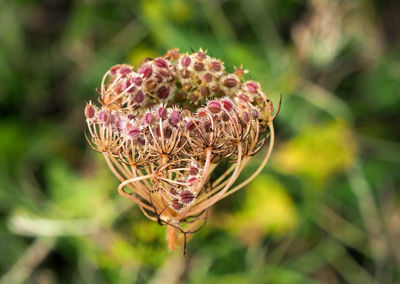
(176, 204)
(146, 71)
(214, 106)
(199, 66)
(252, 87)
(89, 111)
(163, 92)
(175, 117)
(186, 196)
(162, 113)
(228, 104)
(194, 169)
(231, 82)
(193, 180)
(148, 118)
(164, 128)
(185, 61)
(139, 97)
(190, 126)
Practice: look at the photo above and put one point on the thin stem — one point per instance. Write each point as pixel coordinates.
(209, 202)
(264, 162)
(206, 171)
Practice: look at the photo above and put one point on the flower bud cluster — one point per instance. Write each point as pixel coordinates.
(164, 126)
(128, 89)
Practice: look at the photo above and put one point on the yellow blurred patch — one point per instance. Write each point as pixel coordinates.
(176, 11)
(268, 208)
(317, 152)
(140, 52)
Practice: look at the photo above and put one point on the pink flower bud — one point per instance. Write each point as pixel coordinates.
(186, 196)
(228, 105)
(148, 118)
(201, 55)
(103, 116)
(114, 69)
(159, 62)
(244, 98)
(89, 111)
(230, 82)
(163, 92)
(199, 66)
(185, 61)
(137, 81)
(207, 77)
(202, 112)
(254, 113)
(162, 113)
(215, 66)
(146, 71)
(190, 125)
(139, 97)
(252, 86)
(193, 170)
(192, 180)
(176, 204)
(175, 117)
(124, 71)
(214, 106)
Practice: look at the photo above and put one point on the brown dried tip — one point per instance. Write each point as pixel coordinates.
(89, 111)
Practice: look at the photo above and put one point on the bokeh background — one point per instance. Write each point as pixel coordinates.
(324, 210)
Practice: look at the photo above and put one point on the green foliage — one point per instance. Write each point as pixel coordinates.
(325, 210)
(331, 147)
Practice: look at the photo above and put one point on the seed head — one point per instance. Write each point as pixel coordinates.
(165, 126)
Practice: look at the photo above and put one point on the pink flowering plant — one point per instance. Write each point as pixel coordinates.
(166, 126)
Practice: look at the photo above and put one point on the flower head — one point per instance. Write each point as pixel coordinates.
(165, 126)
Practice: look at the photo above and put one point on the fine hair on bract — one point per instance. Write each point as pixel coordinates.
(166, 126)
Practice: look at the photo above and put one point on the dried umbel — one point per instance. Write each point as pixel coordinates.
(166, 126)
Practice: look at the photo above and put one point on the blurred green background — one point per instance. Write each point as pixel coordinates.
(324, 210)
